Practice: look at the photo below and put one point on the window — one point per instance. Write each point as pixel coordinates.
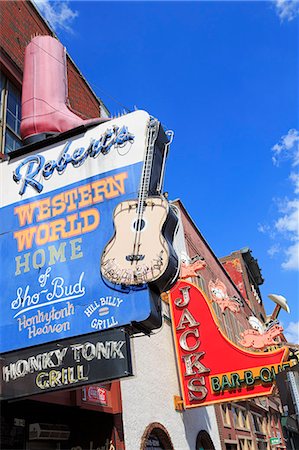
(249, 445)
(264, 425)
(261, 445)
(218, 313)
(258, 423)
(245, 444)
(153, 443)
(234, 327)
(229, 446)
(240, 416)
(240, 327)
(200, 282)
(242, 444)
(269, 427)
(229, 325)
(204, 441)
(10, 115)
(156, 437)
(243, 419)
(225, 414)
(235, 415)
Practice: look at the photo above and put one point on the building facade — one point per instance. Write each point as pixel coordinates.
(143, 411)
(288, 386)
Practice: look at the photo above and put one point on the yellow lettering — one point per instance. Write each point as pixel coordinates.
(85, 193)
(70, 197)
(40, 381)
(54, 378)
(92, 214)
(42, 234)
(58, 205)
(119, 182)
(25, 213)
(24, 238)
(44, 209)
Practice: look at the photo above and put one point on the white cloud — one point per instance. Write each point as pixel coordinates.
(57, 13)
(292, 332)
(287, 10)
(285, 229)
(289, 222)
(294, 177)
(287, 148)
(274, 250)
(292, 257)
(263, 228)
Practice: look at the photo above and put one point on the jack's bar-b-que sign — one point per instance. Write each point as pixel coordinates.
(213, 369)
(56, 212)
(70, 363)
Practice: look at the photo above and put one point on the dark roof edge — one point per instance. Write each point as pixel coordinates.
(251, 263)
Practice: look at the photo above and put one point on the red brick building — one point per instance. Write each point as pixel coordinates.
(20, 21)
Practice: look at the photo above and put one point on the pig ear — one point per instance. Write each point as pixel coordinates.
(220, 285)
(256, 324)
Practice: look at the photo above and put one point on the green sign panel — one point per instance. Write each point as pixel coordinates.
(275, 440)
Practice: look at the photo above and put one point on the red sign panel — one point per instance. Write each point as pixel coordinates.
(95, 394)
(212, 368)
(234, 270)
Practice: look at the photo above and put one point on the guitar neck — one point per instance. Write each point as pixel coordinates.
(147, 167)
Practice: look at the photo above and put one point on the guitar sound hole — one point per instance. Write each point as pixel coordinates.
(139, 224)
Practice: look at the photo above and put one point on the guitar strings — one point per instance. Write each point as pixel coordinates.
(141, 200)
(152, 136)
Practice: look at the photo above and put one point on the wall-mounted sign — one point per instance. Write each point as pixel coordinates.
(95, 394)
(253, 338)
(220, 296)
(275, 441)
(234, 269)
(94, 358)
(56, 214)
(191, 267)
(213, 369)
(140, 250)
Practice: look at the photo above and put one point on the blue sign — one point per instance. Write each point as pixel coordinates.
(51, 242)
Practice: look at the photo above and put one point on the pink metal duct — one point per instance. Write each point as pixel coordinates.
(45, 108)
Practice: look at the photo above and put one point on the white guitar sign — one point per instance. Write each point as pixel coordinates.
(140, 251)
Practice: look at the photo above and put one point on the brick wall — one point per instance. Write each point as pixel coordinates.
(19, 23)
(196, 244)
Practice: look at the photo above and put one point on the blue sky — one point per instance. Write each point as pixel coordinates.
(224, 77)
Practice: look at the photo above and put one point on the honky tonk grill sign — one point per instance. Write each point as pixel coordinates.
(213, 369)
(66, 364)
